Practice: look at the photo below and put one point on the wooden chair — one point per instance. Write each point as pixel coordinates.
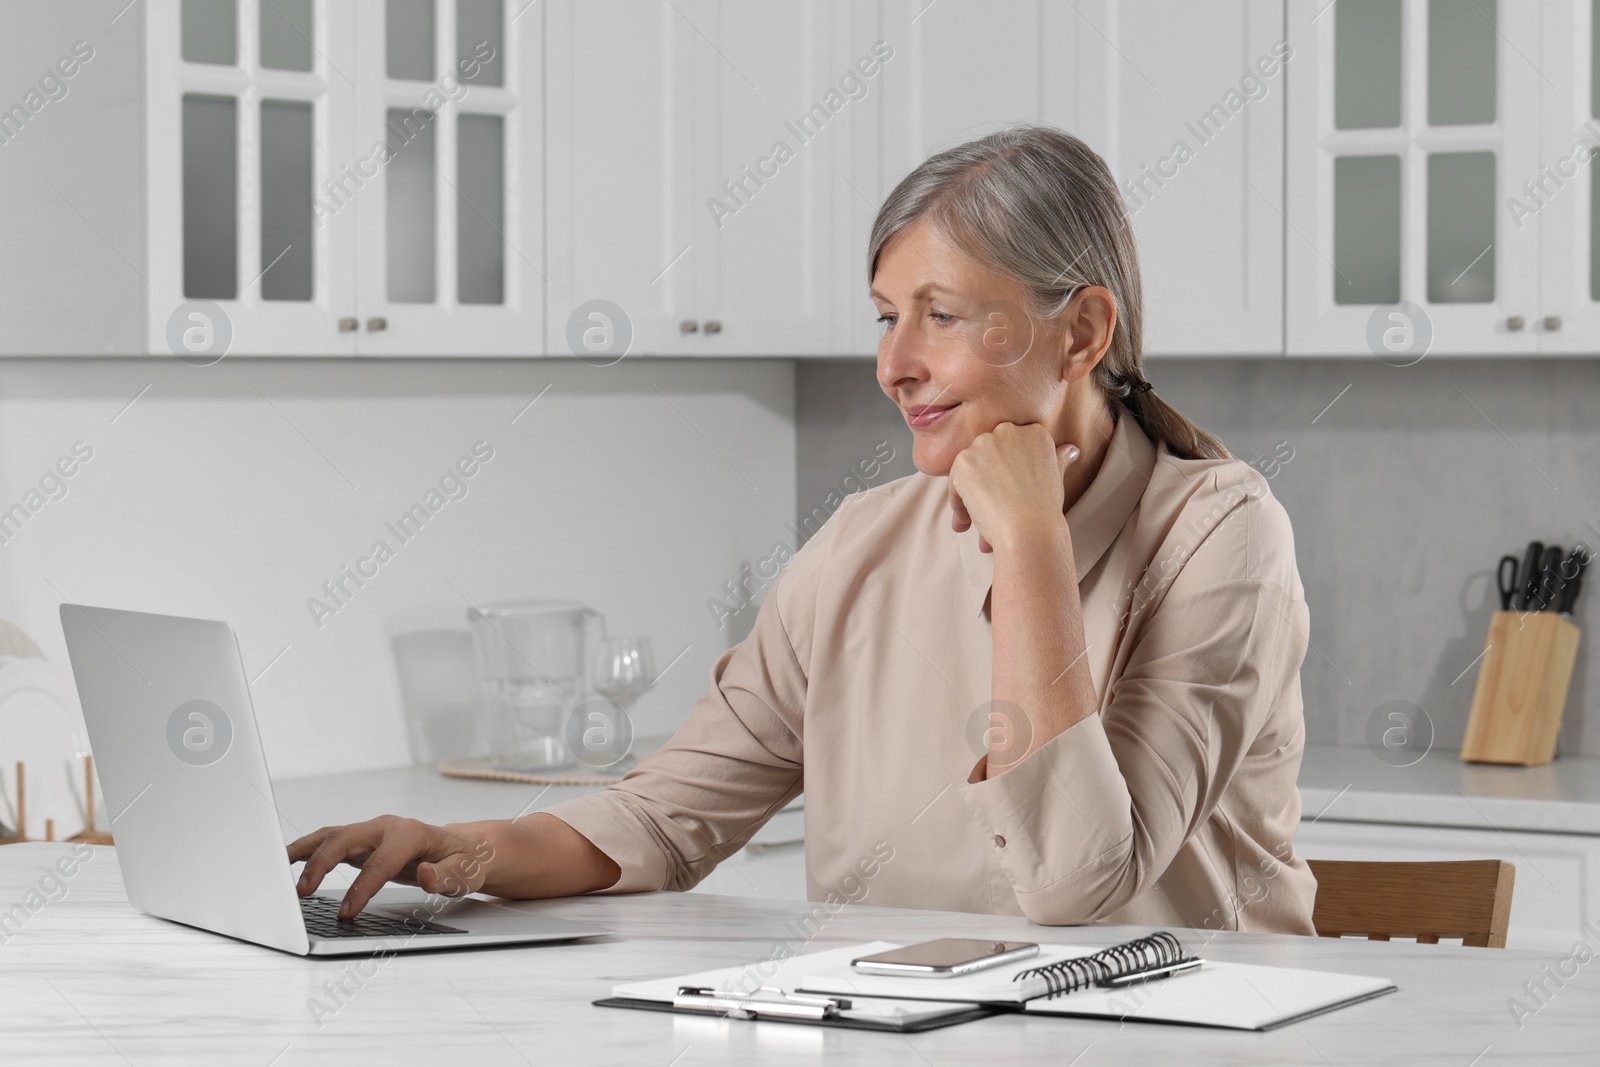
(1469, 899)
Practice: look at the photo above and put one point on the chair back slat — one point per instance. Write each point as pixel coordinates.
(1469, 899)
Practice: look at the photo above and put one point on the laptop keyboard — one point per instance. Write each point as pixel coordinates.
(322, 920)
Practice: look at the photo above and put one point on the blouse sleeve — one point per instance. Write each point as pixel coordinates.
(1094, 816)
(735, 761)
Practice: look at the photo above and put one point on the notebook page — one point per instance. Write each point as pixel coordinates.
(1241, 996)
(1235, 995)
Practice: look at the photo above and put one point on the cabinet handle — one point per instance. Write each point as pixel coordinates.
(1552, 322)
(713, 326)
(377, 324)
(688, 326)
(1514, 323)
(348, 325)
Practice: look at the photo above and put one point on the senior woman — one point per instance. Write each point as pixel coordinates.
(1054, 673)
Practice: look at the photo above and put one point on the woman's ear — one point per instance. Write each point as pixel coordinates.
(1090, 321)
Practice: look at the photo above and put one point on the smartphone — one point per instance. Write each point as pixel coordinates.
(946, 957)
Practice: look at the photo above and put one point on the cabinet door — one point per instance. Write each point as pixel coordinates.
(248, 104)
(1184, 99)
(1410, 124)
(1562, 199)
(446, 178)
(620, 175)
(965, 68)
(778, 112)
(1135, 81)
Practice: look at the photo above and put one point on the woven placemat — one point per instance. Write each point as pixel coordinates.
(480, 767)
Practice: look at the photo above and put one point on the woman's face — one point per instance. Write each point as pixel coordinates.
(958, 354)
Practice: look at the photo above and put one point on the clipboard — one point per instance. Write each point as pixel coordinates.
(766, 991)
(773, 1004)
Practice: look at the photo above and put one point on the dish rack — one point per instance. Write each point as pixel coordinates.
(89, 836)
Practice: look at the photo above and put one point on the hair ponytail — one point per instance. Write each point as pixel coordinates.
(1037, 204)
(1163, 422)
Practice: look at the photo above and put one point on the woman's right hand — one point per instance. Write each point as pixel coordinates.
(448, 860)
(530, 857)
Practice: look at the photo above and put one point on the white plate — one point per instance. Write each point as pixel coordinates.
(41, 724)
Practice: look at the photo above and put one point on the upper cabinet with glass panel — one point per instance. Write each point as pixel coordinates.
(1561, 197)
(451, 217)
(247, 101)
(281, 118)
(339, 178)
(1409, 121)
(350, 177)
(1417, 132)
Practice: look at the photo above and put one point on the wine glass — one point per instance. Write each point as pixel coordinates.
(624, 670)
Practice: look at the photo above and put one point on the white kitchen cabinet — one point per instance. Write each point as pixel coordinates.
(701, 158)
(241, 142)
(450, 234)
(1413, 125)
(619, 167)
(781, 270)
(1013, 66)
(1183, 99)
(1557, 886)
(782, 274)
(1564, 200)
(288, 193)
(384, 200)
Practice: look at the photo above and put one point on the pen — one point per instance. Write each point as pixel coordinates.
(749, 1005)
(1145, 976)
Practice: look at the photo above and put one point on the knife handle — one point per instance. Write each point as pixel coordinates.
(1549, 579)
(1573, 581)
(1528, 588)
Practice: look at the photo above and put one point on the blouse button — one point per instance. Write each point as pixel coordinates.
(999, 842)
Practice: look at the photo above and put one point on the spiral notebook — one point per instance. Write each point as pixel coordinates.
(1151, 979)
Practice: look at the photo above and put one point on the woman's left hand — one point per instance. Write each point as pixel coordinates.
(1009, 481)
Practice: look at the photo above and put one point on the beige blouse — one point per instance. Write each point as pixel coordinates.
(865, 683)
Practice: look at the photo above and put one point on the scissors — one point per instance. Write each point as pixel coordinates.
(1507, 582)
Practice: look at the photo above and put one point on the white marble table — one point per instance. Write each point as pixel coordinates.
(86, 979)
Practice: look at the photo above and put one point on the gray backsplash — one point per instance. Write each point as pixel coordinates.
(1404, 494)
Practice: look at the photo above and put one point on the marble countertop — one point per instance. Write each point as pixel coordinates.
(1356, 785)
(87, 980)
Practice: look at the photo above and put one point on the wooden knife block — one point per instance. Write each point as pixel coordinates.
(1522, 689)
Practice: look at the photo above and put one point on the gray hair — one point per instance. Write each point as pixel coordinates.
(1037, 204)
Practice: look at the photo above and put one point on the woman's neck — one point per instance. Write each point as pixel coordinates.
(1091, 432)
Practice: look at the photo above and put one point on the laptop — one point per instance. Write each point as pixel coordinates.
(167, 706)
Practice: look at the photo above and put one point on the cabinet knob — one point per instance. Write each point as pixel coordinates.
(348, 325)
(1552, 322)
(688, 326)
(713, 326)
(1514, 323)
(377, 324)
